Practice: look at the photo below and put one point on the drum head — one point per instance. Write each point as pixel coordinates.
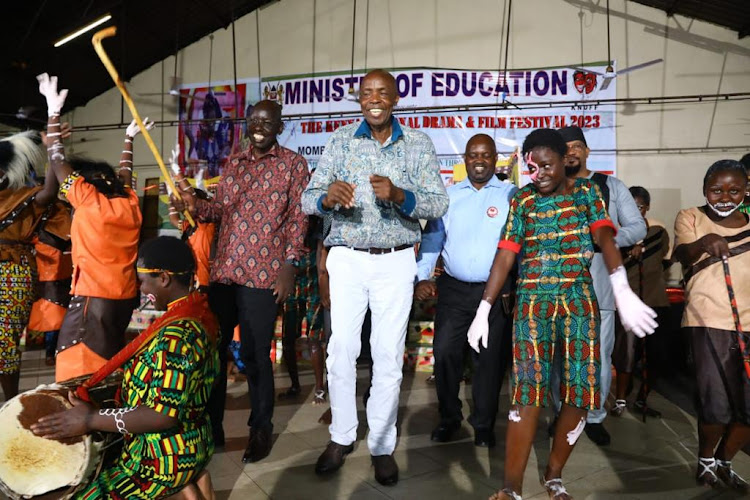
(31, 465)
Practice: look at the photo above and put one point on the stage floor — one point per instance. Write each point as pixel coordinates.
(655, 460)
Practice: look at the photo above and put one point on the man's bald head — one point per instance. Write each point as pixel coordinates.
(382, 74)
(377, 97)
(264, 124)
(271, 107)
(480, 159)
(481, 139)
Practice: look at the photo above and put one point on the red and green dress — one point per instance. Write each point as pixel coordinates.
(173, 374)
(556, 307)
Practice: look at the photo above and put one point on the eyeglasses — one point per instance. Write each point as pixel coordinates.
(642, 207)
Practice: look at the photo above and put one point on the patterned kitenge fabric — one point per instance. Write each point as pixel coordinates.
(16, 298)
(556, 305)
(352, 155)
(172, 375)
(304, 302)
(257, 204)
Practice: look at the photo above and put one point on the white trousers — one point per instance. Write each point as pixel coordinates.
(385, 283)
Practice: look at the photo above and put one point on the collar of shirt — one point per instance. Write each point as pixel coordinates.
(364, 130)
(494, 182)
(248, 153)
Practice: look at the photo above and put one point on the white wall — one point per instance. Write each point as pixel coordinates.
(700, 58)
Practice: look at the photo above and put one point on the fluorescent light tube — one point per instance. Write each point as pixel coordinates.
(83, 30)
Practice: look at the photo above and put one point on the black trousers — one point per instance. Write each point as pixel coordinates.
(255, 310)
(456, 306)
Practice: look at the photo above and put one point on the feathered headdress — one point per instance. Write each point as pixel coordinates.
(20, 157)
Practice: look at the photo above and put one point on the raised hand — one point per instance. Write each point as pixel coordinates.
(174, 164)
(133, 129)
(48, 88)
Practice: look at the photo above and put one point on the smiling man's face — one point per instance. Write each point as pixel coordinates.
(377, 97)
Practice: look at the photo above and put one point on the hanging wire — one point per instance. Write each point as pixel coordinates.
(507, 45)
(238, 113)
(210, 58)
(609, 53)
(354, 25)
(257, 45)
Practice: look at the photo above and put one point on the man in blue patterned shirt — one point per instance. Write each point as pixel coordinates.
(376, 179)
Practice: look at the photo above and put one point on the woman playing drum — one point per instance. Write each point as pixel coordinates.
(168, 438)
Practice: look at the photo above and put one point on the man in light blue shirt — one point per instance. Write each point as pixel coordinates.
(467, 238)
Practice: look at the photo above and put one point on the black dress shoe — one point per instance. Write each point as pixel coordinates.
(484, 438)
(332, 458)
(259, 446)
(444, 432)
(386, 470)
(598, 434)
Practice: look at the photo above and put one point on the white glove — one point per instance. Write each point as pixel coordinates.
(173, 160)
(199, 184)
(48, 88)
(133, 129)
(635, 316)
(480, 327)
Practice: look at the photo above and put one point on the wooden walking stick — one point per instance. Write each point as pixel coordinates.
(96, 40)
(736, 316)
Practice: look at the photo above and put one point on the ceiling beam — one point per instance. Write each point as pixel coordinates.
(744, 31)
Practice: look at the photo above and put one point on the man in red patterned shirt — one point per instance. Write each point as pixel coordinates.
(261, 234)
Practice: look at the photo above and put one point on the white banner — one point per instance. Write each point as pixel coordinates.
(450, 130)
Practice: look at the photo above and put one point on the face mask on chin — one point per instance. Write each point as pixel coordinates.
(725, 210)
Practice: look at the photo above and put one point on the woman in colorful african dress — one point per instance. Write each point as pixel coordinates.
(167, 432)
(304, 305)
(703, 237)
(22, 206)
(553, 224)
(104, 234)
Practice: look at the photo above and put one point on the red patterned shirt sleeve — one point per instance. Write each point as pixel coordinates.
(295, 226)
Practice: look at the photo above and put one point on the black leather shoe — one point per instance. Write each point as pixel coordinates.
(444, 432)
(484, 438)
(259, 446)
(332, 458)
(598, 434)
(386, 470)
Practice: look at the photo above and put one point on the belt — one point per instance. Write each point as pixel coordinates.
(381, 251)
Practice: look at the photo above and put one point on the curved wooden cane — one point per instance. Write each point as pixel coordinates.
(96, 40)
